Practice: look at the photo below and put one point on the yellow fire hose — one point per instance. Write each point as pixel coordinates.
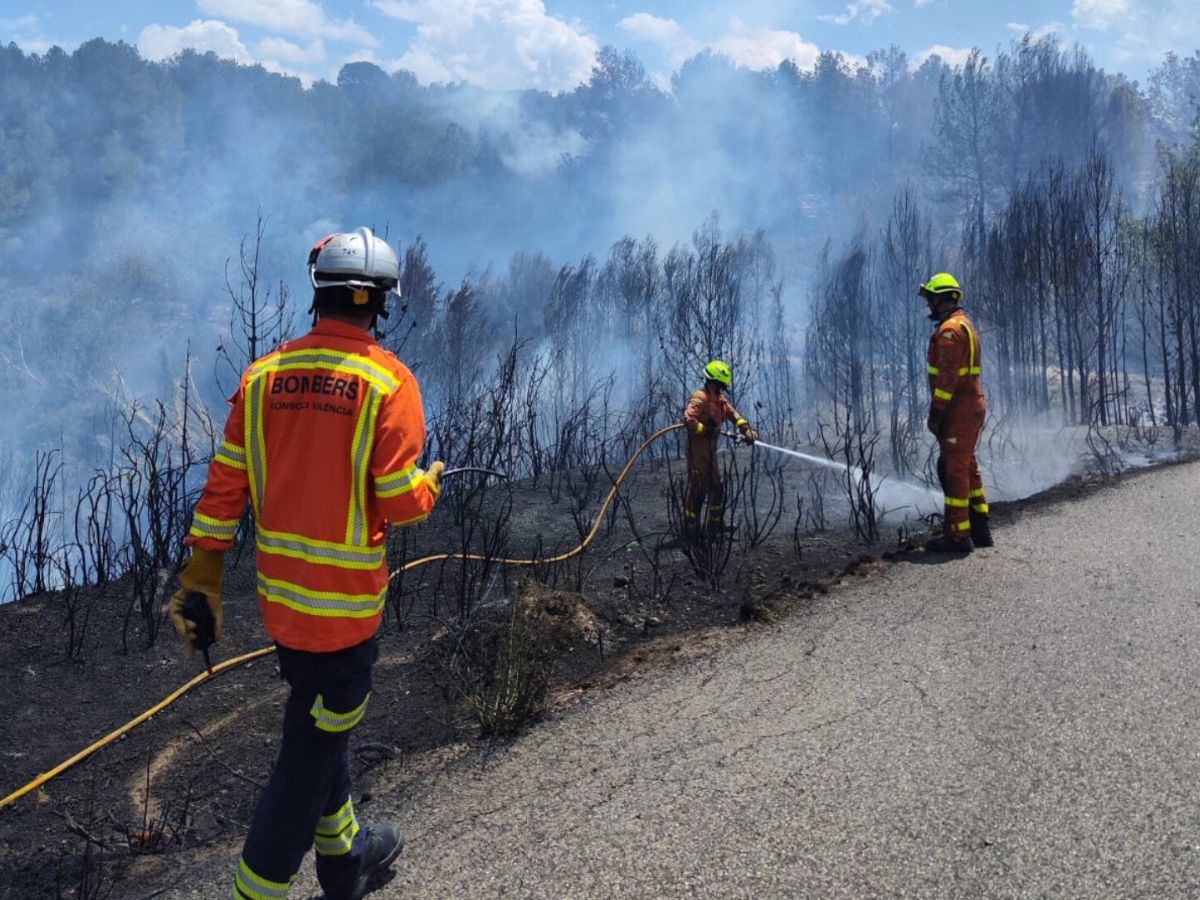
(266, 651)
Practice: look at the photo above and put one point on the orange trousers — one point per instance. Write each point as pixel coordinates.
(704, 483)
(958, 470)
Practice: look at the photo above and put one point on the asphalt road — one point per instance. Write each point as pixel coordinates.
(1020, 723)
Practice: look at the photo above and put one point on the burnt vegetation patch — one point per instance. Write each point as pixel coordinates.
(498, 664)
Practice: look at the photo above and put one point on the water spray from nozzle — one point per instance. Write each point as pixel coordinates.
(897, 491)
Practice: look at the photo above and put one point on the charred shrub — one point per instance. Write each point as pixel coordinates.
(498, 664)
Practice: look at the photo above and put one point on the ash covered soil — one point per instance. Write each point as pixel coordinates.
(176, 794)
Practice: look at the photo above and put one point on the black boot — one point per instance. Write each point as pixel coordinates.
(383, 846)
(981, 530)
(943, 544)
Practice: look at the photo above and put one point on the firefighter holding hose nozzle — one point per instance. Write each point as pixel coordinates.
(706, 410)
(322, 441)
(956, 412)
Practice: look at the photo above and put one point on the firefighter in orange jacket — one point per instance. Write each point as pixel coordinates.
(956, 413)
(322, 441)
(706, 410)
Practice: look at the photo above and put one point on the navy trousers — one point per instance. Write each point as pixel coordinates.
(307, 801)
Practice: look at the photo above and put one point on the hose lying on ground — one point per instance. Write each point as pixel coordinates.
(266, 651)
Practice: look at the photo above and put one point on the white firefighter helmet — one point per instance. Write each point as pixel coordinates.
(355, 259)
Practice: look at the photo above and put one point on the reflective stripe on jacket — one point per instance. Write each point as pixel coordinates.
(322, 441)
(954, 361)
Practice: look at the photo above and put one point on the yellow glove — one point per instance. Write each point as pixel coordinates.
(203, 574)
(433, 477)
(749, 435)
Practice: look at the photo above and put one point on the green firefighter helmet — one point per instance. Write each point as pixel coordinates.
(943, 284)
(719, 372)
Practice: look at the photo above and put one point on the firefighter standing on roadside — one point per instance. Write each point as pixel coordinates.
(322, 441)
(705, 412)
(956, 413)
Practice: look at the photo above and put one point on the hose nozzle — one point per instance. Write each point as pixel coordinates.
(195, 609)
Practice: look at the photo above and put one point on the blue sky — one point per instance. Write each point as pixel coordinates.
(550, 44)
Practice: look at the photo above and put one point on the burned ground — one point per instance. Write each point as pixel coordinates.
(185, 783)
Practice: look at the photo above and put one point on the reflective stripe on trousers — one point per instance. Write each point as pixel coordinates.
(958, 472)
(307, 800)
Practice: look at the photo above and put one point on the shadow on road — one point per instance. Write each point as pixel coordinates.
(923, 558)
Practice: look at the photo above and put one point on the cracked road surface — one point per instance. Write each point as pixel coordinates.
(1019, 723)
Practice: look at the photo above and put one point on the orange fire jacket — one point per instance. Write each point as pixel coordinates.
(322, 441)
(706, 411)
(954, 364)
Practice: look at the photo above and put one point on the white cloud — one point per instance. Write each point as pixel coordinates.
(1047, 30)
(952, 56)
(666, 33)
(653, 29)
(362, 54)
(398, 9)
(25, 31)
(505, 44)
(919, 3)
(752, 47)
(1099, 14)
(22, 23)
(865, 11)
(40, 45)
(285, 51)
(762, 48)
(427, 65)
(1142, 30)
(159, 42)
(296, 17)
